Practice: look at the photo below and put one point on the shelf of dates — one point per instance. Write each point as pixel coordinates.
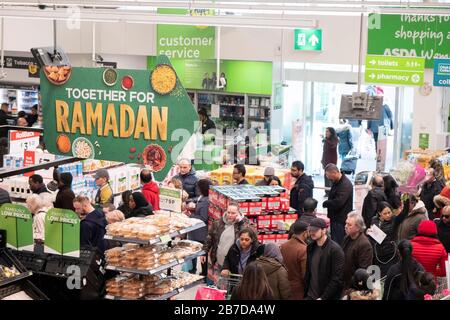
(163, 296)
(161, 239)
(158, 269)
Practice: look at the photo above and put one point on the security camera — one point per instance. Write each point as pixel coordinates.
(98, 58)
(42, 6)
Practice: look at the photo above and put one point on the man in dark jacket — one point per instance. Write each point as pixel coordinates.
(310, 211)
(93, 224)
(339, 203)
(239, 174)
(37, 184)
(357, 248)
(373, 199)
(303, 187)
(3, 119)
(324, 265)
(4, 196)
(187, 177)
(33, 116)
(444, 228)
(207, 123)
(431, 188)
(65, 196)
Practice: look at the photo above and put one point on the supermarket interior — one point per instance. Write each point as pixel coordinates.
(224, 150)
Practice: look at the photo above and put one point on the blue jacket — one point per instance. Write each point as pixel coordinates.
(201, 213)
(386, 116)
(92, 230)
(189, 182)
(345, 140)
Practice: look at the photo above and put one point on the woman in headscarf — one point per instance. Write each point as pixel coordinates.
(272, 263)
(222, 234)
(139, 205)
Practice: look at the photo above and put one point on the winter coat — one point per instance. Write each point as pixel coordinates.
(233, 257)
(294, 256)
(358, 254)
(345, 140)
(201, 213)
(429, 191)
(331, 270)
(329, 154)
(392, 288)
(394, 200)
(93, 229)
(278, 277)
(261, 183)
(340, 200)
(4, 196)
(385, 254)
(125, 209)
(302, 189)
(142, 211)
(386, 117)
(430, 253)
(371, 203)
(209, 124)
(3, 122)
(444, 234)
(215, 232)
(189, 181)
(408, 228)
(64, 198)
(151, 193)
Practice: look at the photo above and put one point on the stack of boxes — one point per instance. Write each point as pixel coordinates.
(266, 206)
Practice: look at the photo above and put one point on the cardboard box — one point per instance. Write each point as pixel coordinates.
(264, 222)
(273, 204)
(255, 208)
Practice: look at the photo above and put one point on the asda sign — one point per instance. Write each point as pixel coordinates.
(186, 42)
(426, 36)
(131, 116)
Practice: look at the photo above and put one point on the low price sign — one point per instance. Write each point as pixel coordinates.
(131, 116)
(62, 233)
(395, 70)
(18, 223)
(170, 199)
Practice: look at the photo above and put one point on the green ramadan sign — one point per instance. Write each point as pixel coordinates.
(407, 35)
(131, 116)
(18, 223)
(62, 232)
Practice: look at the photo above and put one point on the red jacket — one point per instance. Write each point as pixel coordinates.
(151, 193)
(430, 253)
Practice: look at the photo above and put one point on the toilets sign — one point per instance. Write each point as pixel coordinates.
(441, 73)
(308, 39)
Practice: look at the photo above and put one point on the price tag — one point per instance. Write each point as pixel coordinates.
(180, 261)
(165, 239)
(107, 237)
(163, 275)
(180, 290)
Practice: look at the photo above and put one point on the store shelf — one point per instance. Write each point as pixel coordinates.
(258, 119)
(160, 239)
(232, 105)
(259, 107)
(164, 296)
(44, 165)
(12, 280)
(159, 269)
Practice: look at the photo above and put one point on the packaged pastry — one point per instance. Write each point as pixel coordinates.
(129, 246)
(114, 252)
(193, 245)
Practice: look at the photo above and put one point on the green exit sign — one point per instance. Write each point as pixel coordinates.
(308, 39)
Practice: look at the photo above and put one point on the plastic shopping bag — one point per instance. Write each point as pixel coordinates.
(208, 293)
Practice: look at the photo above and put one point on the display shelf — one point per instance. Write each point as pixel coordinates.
(262, 119)
(160, 239)
(163, 296)
(12, 280)
(159, 269)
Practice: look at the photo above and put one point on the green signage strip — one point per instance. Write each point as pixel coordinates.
(62, 232)
(426, 36)
(424, 139)
(131, 116)
(254, 77)
(17, 220)
(308, 39)
(186, 42)
(395, 70)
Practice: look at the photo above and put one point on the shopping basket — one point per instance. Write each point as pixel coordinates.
(210, 293)
(229, 283)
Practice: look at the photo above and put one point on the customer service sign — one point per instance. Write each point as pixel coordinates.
(131, 116)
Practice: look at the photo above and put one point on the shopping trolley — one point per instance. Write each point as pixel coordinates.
(229, 283)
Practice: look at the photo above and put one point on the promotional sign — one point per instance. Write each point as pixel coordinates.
(441, 73)
(62, 233)
(22, 140)
(424, 140)
(253, 77)
(395, 70)
(170, 199)
(18, 223)
(131, 116)
(29, 159)
(186, 42)
(308, 39)
(409, 35)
